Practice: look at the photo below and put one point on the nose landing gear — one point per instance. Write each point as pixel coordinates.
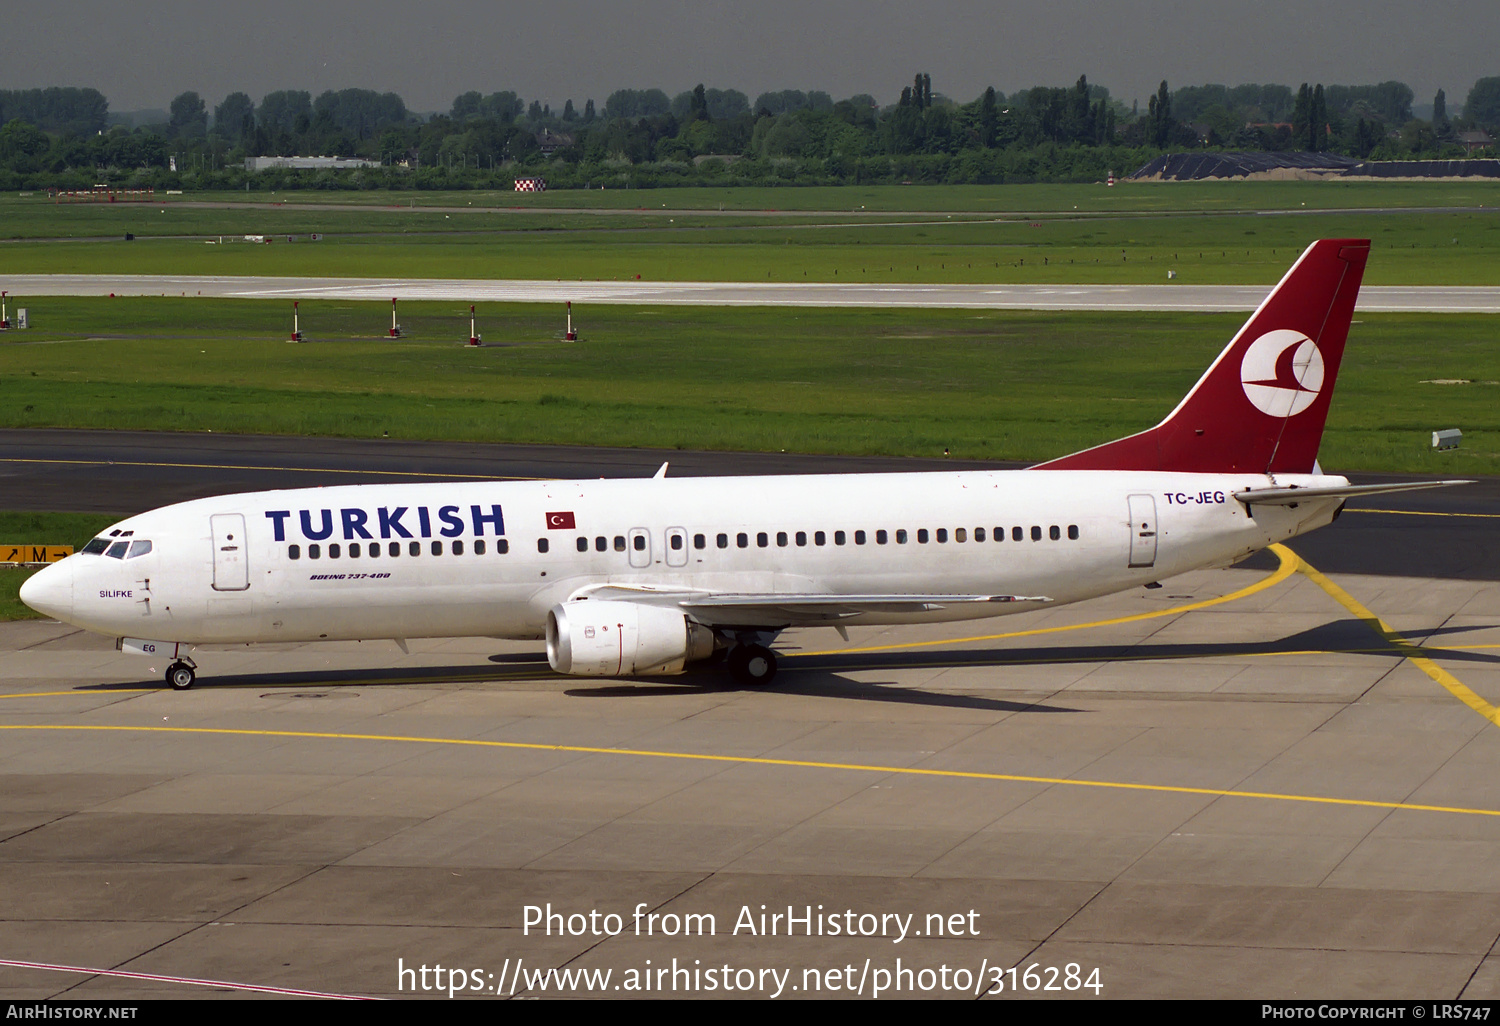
(181, 676)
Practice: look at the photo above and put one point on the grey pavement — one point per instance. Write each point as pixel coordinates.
(1068, 815)
(1178, 297)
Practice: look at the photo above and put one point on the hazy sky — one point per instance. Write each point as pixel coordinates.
(141, 53)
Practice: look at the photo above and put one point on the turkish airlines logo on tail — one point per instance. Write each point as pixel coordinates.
(1282, 372)
(561, 521)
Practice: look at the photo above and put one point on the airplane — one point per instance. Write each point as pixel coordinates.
(625, 577)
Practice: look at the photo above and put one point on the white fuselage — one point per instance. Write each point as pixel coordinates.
(279, 565)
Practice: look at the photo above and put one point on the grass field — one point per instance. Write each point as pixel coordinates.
(1132, 196)
(1429, 249)
(1216, 233)
(1001, 385)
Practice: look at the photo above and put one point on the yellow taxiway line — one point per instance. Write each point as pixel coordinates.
(749, 760)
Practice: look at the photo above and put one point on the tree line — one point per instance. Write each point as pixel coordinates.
(643, 137)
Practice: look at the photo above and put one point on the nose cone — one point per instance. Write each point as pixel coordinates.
(50, 591)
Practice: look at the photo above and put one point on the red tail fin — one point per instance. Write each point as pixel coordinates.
(1262, 405)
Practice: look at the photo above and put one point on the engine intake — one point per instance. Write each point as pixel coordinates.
(615, 639)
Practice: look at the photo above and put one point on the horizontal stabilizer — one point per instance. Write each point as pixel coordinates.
(1292, 496)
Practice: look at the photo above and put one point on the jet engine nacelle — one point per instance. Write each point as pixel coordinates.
(594, 638)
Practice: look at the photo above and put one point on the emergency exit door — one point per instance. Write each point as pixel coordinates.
(231, 569)
(1142, 530)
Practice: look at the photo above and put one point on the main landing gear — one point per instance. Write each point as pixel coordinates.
(752, 665)
(181, 676)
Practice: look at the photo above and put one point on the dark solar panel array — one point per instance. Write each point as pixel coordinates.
(1192, 167)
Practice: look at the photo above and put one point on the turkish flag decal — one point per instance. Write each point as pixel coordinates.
(561, 522)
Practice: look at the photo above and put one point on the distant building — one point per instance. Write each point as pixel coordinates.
(305, 163)
(1472, 141)
(550, 142)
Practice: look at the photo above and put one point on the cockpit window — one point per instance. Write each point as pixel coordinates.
(95, 547)
(138, 548)
(118, 549)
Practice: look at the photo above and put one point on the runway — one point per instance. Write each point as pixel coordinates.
(1176, 297)
(1273, 782)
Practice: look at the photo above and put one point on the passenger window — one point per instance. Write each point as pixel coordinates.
(922, 535)
(314, 551)
(838, 537)
(437, 548)
(601, 544)
(478, 546)
(700, 542)
(394, 549)
(541, 544)
(781, 538)
(583, 544)
(118, 549)
(880, 537)
(415, 548)
(722, 541)
(333, 551)
(978, 534)
(960, 535)
(1054, 532)
(502, 546)
(901, 536)
(762, 539)
(742, 540)
(819, 538)
(294, 552)
(1036, 533)
(675, 542)
(619, 543)
(354, 550)
(139, 548)
(1017, 534)
(458, 548)
(942, 534)
(374, 550)
(801, 537)
(639, 541)
(859, 538)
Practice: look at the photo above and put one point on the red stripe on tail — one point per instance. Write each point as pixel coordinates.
(1262, 405)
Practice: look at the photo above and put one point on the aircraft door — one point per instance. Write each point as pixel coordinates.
(231, 570)
(677, 546)
(640, 547)
(1142, 531)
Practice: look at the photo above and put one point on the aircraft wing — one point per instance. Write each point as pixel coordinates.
(761, 609)
(824, 609)
(1292, 496)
